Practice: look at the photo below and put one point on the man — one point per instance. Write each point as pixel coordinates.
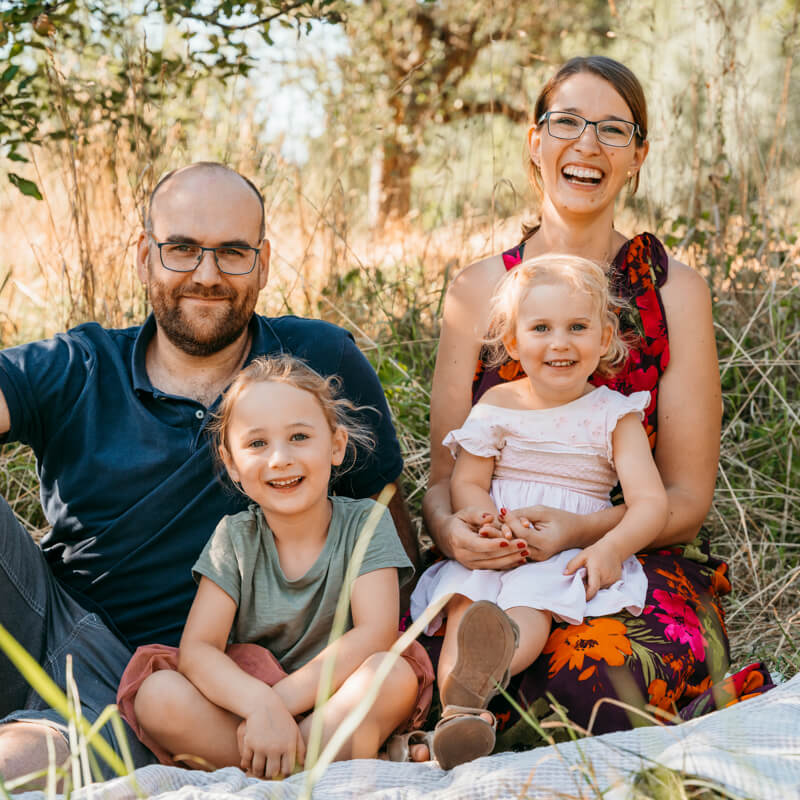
(117, 421)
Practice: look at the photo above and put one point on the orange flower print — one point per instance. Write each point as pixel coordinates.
(695, 691)
(600, 639)
(662, 697)
(719, 580)
(678, 582)
(675, 663)
(510, 371)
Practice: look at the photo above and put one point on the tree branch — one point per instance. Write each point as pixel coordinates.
(213, 19)
(473, 109)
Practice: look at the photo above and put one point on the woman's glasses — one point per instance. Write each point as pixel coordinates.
(566, 125)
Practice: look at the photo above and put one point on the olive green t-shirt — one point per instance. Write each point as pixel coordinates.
(293, 618)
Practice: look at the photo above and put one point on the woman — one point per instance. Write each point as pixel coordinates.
(587, 143)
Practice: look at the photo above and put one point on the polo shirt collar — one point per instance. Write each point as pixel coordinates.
(141, 381)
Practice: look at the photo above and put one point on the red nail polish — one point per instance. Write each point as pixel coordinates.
(486, 514)
(520, 545)
(503, 511)
(485, 535)
(524, 553)
(503, 544)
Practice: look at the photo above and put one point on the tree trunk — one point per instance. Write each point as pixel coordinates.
(395, 181)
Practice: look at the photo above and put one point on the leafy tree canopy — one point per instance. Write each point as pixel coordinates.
(32, 33)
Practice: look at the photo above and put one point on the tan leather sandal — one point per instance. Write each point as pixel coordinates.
(462, 735)
(398, 748)
(486, 638)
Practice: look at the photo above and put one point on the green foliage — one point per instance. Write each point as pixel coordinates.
(36, 38)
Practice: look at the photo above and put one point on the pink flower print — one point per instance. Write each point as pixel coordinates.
(682, 623)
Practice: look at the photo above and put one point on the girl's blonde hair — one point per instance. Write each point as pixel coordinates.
(580, 275)
(339, 411)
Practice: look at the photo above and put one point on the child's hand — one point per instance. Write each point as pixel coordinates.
(547, 531)
(491, 526)
(270, 743)
(603, 567)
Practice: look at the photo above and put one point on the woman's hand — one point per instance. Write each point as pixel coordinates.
(270, 743)
(547, 531)
(477, 542)
(603, 567)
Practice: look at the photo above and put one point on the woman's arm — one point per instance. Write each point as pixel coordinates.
(689, 406)
(375, 607)
(464, 324)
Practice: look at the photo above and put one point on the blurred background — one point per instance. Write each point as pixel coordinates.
(387, 137)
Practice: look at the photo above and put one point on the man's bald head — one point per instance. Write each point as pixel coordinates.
(204, 167)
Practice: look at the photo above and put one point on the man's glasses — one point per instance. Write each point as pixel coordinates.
(185, 257)
(566, 125)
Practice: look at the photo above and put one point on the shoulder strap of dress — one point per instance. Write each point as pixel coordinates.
(513, 256)
(644, 252)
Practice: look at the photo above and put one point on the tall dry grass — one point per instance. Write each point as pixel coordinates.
(70, 258)
(389, 288)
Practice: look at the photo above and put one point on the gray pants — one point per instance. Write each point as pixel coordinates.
(49, 624)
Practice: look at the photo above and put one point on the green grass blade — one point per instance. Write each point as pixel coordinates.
(44, 686)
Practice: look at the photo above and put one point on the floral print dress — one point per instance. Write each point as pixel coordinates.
(675, 655)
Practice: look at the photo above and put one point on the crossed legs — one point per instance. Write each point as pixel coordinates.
(183, 721)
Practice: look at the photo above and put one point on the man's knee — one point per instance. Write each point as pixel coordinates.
(27, 747)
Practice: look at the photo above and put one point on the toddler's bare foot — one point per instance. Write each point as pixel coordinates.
(419, 752)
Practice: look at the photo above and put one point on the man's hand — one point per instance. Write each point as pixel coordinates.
(603, 567)
(270, 743)
(477, 541)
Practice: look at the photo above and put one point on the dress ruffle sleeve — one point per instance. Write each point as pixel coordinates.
(479, 435)
(619, 405)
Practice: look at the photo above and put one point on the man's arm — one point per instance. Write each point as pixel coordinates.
(5, 417)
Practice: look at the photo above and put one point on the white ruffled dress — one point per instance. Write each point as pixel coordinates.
(559, 457)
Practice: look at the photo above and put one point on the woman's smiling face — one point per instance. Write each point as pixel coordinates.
(584, 176)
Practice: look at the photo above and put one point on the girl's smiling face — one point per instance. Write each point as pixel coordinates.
(280, 448)
(583, 175)
(559, 339)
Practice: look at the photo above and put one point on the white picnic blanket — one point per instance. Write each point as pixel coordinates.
(752, 748)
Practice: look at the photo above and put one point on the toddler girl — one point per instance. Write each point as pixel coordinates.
(270, 577)
(548, 439)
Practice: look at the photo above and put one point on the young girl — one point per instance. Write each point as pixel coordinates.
(270, 577)
(548, 439)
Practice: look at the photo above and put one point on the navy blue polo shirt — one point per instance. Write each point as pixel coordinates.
(128, 482)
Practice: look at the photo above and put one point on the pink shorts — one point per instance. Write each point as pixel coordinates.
(258, 662)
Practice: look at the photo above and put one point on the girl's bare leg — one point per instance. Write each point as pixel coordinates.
(392, 707)
(453, 610)
(534, 630)
(184, 721)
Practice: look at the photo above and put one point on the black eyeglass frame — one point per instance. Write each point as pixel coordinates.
(212, 250)
(635, 130)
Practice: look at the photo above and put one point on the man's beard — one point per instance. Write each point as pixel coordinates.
(217, 332)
